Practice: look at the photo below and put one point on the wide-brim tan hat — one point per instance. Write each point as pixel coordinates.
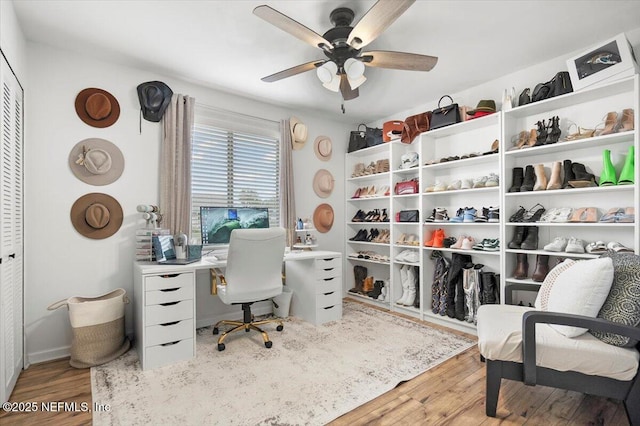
(322, 147)
(323, 218)
(96, 215)
(96, 161)
(298, 133)
(323, 182)
(97, 107)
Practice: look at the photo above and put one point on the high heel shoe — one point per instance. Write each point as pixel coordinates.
(610, 123)
(554, 134)
(534, 216)
(384, 217)
(522, 138)
(580, 134)
(626, 121)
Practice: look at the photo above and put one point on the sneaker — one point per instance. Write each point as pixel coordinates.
(466, 184)
(458, 217)
(494, 214)
(483, 217)
(596, 247)
(468, 243)
(458, 243)
(441, 215)
(480, 245)
(492, 180)
(491, 244)
(480, 182)
(432, 217)
(439, 186)
(469, 215)
(456, 184)
(575, 245)
(558, 244)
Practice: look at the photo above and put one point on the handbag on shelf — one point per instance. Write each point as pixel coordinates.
(525, 97)
(373, 136)
(406, 187)
(558, 85)
(414, 125)
(445, 115)
(408, 216)
(393, 127)
(357, 140)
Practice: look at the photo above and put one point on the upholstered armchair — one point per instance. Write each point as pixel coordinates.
(582, 335)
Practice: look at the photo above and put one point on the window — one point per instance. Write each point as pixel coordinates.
(235, 162)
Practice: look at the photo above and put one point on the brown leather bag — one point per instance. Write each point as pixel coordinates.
(414, 125)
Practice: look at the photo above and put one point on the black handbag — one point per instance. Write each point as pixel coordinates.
(373, 136)
(408, 216)
(357, 140)
(525, 97)
(558, 85)
(444, 116)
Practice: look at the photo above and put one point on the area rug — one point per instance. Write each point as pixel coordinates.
(310, 376)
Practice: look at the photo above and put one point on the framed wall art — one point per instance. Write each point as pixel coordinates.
(612, 58)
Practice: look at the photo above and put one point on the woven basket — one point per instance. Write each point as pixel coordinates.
(98, 328)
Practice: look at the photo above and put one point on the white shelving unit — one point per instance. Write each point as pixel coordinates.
(585, 108)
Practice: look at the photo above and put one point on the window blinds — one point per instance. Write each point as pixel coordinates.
(235, 162)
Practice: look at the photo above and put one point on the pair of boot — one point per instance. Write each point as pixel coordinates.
(608, 175)
(436, 240)
(455, 287)
(525, 179)
(522, 267)
(409, 286)
(525, 238)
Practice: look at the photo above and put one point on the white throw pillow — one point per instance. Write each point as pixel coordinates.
(581, 290)
(542, 299)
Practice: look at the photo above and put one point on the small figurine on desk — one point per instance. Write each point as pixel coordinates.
(308, 240)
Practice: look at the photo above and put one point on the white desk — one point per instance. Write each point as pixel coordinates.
(164, 301)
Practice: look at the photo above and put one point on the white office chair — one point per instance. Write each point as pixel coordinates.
(253, 274)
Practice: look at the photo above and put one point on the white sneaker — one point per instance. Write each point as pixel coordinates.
(557, 245)
(492, 180)
(456, 184)
(412, 256)
(480, 182)
(466, 184)
(439, 186)
(575, 245)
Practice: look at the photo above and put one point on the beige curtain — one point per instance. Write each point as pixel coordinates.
(288, 200)
(175, 165)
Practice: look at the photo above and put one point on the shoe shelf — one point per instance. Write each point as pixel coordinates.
(555, 253)
(402, 262)
(463, 162)
(380, 198)
(462, 191)
(411, 171)
(376, 302)
(570, 146)
(573, 191)
(528, 281)
(405, 196)
(368, 223)
(462, 251)
(359, 259)
(573, 224)
(438, 224)
(372, 176)
(465, 126)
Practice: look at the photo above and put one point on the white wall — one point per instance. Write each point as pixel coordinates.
(59, 262)
(12, 41)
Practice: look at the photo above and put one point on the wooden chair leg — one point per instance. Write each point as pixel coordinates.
(494, 377)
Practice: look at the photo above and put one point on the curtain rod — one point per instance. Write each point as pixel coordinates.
(224, 111)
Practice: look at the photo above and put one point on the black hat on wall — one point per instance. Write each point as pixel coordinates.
(154, 99)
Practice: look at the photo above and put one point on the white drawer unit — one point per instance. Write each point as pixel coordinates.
(164, 311)
(319, 299)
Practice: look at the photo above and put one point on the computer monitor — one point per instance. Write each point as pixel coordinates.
(216, 223)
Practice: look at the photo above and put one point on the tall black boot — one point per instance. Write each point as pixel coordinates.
(531, 240)
(488, 288)
(416, 303)
(455, 272)
(568, 174)
(516, 181)
(529, 179)
(359, 274)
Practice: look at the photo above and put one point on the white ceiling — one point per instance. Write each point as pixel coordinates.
(221, 44)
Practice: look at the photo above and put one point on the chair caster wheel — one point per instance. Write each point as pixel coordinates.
(247, 330)
(220, 347)
(268, 344)
(280, 328)
(215, 330)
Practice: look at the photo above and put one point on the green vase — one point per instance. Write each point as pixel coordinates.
(628, 170)
(608, 175)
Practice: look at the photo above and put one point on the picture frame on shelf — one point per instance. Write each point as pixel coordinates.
(612, 58)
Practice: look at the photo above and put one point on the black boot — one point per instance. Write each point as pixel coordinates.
(518, 237)
(568, 174)
(516, 181)
(522, 266)
(531, 240)
(488, 288)
(455, 273)
(359, 273)
(416, 303)
(529, 179)
(377, 289)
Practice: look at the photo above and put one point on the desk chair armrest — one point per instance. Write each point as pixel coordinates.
(511, 287)
(531, 318)
(216, 274)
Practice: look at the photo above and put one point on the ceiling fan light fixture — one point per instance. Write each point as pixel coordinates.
(357, 82)
(333, 85)
(354, 69)
(327, 72)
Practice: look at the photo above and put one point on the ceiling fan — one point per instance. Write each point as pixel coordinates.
(344, 69)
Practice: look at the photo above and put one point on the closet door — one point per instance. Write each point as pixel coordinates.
(11, 232)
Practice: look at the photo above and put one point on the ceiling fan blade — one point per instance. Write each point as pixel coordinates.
(345, 89)
(292, 27)
(376, 20)
(399, 60)
(292, 71)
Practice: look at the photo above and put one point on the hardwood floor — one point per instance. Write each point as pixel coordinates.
(451, 393)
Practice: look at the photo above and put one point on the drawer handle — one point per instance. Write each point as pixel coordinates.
(170, 343)
(169, 303)
(171, 289)
(329, 269)
(329, 259)
(328, 307)
(166, 324)
(331, 292)
(329, 279)
(169, 275)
